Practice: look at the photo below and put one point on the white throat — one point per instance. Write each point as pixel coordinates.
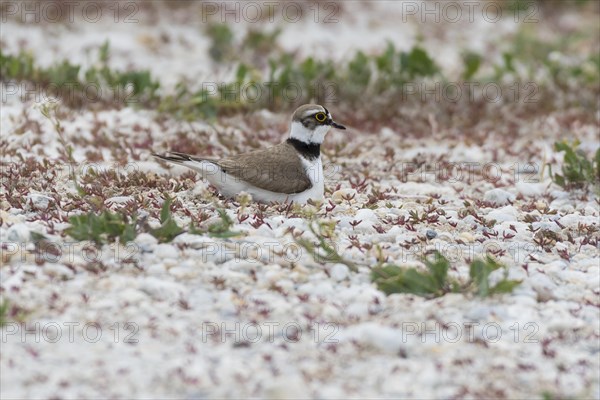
(300, 132)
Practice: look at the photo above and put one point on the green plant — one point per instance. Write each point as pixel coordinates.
(268, 77)
(221, 229)
(9, 311)
(108, 226)
(73, 85)
(435, 282)
(4, 307)
(223, 98)
(323, 251)
(417, 63)
(257, 45)
(222, 41)
(288, 76)
(577, 170)
(50, 111)
(17, 67)
(306, 77)
(168, 229)
(103, 228)
(359, 70)
(140, 84)
(472, 62)
(480, 271)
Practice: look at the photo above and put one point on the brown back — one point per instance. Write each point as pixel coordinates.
(278, 169)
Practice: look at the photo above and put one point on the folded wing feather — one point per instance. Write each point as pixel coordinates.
(278, 169)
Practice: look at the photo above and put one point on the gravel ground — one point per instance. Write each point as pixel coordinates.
(256, 315)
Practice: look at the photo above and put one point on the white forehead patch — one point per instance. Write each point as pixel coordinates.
(312, 111)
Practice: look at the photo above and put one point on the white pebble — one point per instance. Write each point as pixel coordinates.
(38, 201)
(165, 250)
(18, 233)
(528, 189)
(504, 214)
(339, 272)
(498, 197)
(118, 200)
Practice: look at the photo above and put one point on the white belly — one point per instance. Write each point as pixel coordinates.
(314, 170)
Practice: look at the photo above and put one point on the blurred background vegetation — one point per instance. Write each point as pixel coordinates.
(564, 71)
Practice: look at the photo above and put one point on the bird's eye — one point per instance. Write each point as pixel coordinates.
(321, 117)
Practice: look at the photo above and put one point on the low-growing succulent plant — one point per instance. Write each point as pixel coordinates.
(435, 282)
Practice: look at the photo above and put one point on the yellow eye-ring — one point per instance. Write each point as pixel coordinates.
(321, 117)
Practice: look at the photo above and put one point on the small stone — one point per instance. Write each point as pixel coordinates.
(543, 286)
(286, 387)
(184, 272)
(118, 200)
(339, 272)
(430, 234)
(466, 237)
(499, 197)
(529, 189)
(38, 201)
(165, 251)
(18, 233)
(132, 296)
(504, 214)
(146, 242)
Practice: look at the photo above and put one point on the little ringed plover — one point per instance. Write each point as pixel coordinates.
(289, 171)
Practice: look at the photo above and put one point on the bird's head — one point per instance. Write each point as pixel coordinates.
(311, 122)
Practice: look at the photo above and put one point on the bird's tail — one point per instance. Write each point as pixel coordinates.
(177, 158)
(203, 165)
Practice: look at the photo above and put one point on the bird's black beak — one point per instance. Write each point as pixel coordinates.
(336, 125)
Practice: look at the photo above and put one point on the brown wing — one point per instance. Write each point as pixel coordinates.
(278, 169)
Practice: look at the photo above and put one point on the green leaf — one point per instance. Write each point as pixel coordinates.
(222, 41)
(597, 161)
(241, 73)
(504, 286)
(104, 52)
(168, 229)
(37, 237)
(420, 283)
(430, 283)
(479, 273)
(129, 233)
(435, 282)
(388, 279)
(472, 62)
(577, 170)
(323, 251)
(392, 279)
(438, 269)
(385, 272)
(385, 62)
(559, 180)
(103, 228)
(508, 61)
(165, 211)
(417, 63)
(222, 228)
(4, 307)
(359, 71)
